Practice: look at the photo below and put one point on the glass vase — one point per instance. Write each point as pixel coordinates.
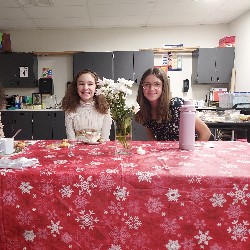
(123, 136)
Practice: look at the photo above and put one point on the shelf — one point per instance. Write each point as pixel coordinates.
(173, 50)
(60, 53)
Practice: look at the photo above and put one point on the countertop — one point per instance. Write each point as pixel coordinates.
(30, 110)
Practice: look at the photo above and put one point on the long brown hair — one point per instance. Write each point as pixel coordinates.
(71, 100)
(163, 112)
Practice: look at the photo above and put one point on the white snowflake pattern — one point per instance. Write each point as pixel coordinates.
(133, 222)
(4, 171)
(144, 176)
(66, 191)
(115, 208)
(240, 195)
(25, 187)
(218, 200)
(154, 205)
(197, 196)
(55, 227)
(234, 212)
(85, 185)
(80, 202)
(173, 194)
(24, 217)
(121, 193)
(195, 179)
(60, 162)
(48, 170)
(67, 238)
(42, 233)
(119, 235)
(112, 171)
(87, 219)
(239, 230)
(188, 244)
(105, 182)
(170, 226)
(29, 235)
(173, 245)
(128, 165)
(199, 224)
(203, 238)
(115, 247)
(9, 198)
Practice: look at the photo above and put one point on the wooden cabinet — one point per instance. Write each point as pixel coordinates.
(100, 62)
(36, 125)
(14, 120)
(48, 125)
(18, 70)
(212, 65)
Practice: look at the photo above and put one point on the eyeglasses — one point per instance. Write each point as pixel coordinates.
(148, 85)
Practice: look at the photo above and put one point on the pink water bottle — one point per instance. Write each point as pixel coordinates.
(187, 126)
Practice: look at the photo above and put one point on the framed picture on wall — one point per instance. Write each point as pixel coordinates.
(36, 98)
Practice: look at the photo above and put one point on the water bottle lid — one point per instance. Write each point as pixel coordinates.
(188, 106)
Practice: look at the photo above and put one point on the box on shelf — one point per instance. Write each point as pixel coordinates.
(5, 43)
(227, 41)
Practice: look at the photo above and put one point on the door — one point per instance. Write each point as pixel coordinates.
(18, 70)
(100, 62)
(42, 125)
(14, 120)
(58, 125)
(123, 65)
(224, 64)
(6, 118)
(206, 66)
(22, 120)
(143, 60)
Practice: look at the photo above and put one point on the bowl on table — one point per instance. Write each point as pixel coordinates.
(88, 136)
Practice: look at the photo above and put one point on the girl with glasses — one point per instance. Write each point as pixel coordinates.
(159, 111)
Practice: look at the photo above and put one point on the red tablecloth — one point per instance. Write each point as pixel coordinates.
(165, 199)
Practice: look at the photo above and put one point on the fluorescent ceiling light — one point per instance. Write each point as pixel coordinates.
(35, 3)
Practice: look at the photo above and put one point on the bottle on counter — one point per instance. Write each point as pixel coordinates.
(187, 126)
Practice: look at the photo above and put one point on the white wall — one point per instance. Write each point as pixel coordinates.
(240, 28)
(112, 40)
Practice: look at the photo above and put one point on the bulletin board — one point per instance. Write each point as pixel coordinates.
(172, 60)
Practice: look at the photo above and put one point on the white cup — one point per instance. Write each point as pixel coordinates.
(7, 146)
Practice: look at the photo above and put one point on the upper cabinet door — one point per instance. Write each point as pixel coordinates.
(206, 65)
(18, 70)
(143, 60)
(224, 64)
(123, 65)
(100, 62)
(212, 65)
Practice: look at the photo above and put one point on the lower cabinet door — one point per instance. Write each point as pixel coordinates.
(42, 125)
(58, 125)
(14, 120)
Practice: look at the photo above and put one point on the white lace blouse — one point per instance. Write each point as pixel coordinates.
(87, 117)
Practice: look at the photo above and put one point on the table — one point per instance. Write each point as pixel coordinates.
(231, 126)
(166, 199)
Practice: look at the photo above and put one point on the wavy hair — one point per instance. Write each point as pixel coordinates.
(71, 100)
(163, 112)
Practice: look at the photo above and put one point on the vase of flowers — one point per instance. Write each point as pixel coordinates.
(116, 94)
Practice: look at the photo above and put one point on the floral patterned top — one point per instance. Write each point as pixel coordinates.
(168, 130)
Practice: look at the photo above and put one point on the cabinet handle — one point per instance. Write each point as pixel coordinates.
(211, 79)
